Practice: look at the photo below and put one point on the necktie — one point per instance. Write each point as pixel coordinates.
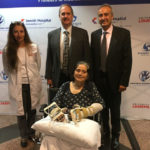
(66, 53)
(103, 52)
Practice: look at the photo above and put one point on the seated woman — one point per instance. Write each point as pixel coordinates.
(80, 92)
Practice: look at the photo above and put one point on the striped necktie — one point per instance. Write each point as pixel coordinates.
(66, 53)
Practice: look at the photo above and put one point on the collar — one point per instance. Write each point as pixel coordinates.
(63, 29)
(109, 30)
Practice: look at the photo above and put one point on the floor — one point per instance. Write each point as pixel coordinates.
(139, 131)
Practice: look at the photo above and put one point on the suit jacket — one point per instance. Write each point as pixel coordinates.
(79, 50)
(119, 58)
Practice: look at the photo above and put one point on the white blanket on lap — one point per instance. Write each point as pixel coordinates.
(85, 133)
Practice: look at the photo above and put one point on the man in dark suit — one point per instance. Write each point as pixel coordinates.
(79, 48)
(112, 77)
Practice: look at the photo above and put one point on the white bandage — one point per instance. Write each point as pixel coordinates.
(54, 111)
(81, 112)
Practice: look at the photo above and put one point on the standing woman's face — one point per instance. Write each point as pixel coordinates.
(80, 73)
(19, 34)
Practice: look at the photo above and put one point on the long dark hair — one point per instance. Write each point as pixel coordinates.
(12, 45)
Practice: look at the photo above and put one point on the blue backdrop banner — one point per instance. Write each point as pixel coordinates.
(53, 3)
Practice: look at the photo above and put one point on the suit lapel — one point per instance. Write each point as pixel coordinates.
(98, 37)
(99, 34)
(57, 38)
(73, 38)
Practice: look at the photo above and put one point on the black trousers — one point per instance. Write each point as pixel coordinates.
(112, 109)
(25, 122)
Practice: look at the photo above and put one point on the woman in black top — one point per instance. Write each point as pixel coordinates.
(80, 91)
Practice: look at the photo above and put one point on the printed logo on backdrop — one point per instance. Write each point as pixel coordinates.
(3, 102)
(115, 20)
(140, 106)
(3, 77)
(144, 20)
(119, 21)
(145, 51)
(1, 52)
(146, 47)
(144, 78)
(75, 21)
(38, 21)
(2, 20)
(94, 20)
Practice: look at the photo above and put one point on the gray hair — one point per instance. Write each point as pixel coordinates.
(83, 63)
(106, 5)
(67, 6)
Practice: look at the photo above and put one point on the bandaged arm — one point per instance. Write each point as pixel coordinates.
(78, 113)
(96, 108)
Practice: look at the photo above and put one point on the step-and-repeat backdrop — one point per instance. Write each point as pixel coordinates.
(41, 16)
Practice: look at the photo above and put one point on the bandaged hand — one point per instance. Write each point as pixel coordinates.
(82, 112)
(55, 112)
(64, 110)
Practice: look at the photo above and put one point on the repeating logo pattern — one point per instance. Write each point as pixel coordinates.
(144, 75)
(1, 19)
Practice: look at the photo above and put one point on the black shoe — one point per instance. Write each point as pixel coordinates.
(24, 142)
(115, 144)
(105, 142)
(105, 137)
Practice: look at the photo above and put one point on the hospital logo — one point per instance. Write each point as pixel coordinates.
(34, 22)
(144, 76)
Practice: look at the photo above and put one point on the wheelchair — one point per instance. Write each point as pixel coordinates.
(51, 94)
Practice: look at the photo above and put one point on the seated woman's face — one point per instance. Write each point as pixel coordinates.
(80, 73)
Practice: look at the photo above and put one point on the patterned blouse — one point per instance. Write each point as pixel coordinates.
(87, 96)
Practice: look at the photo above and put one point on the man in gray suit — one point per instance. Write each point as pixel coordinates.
(79, 48)
(112, 78)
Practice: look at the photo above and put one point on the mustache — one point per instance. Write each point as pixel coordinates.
(65, 18)
(103, 21)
